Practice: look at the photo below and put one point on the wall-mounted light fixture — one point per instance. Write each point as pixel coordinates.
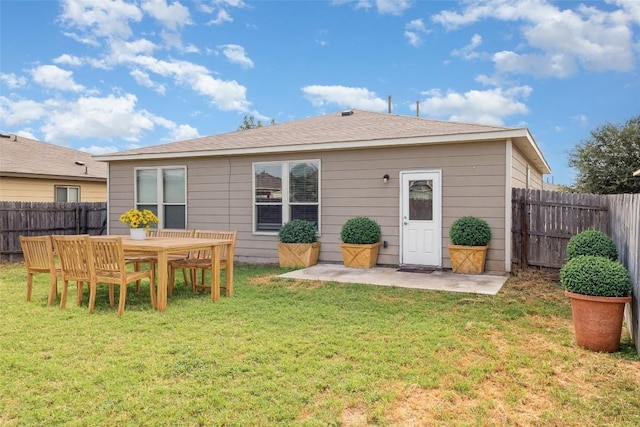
(385, 178)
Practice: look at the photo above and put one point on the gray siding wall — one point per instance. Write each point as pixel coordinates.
(519, 172)
(220, 194)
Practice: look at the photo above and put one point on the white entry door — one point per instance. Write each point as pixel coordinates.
(421, 222)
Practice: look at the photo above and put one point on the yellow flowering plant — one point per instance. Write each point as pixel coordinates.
(139, 219)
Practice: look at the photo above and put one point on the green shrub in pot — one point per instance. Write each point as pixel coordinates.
(596, 276)
(298, 231)
(598, 288)
(470, 231)
(592, 242)
(361, 242)
(360, 231)
(298, 244)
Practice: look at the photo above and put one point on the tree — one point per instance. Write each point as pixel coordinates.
(607, 160)
(249, 122)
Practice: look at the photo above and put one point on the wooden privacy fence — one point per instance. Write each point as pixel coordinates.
(544, 221)
(624, 223)
(39, 218)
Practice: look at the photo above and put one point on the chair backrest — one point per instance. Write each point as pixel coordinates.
(108, 257)
(38, 253)
(168, 232)
(76, 257)
(216, 234)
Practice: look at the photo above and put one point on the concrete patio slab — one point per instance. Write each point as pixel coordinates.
(387, 276)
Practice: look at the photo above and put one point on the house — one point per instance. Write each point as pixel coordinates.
(328, 169)
(34, 171)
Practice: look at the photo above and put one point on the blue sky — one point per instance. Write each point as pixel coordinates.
(104, 76)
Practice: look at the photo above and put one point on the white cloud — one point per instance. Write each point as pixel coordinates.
(26, 134)
(51, 76)
(100, 18)
(12, 81)
(489, 107)
(120, 48)
(557, 65)
(581, 119)
(393, 7)
(222, 17)
(223, 14)
(93, 117)
(344, 97)
(67, 59)
(236, 55)
(227, 95)
(97, 150)
(171, 16)
(384, 7)
(143, 79)
(631, 7)
(184, 132)
(468, 52)
(14, 113)
(557, 39)
(414, 30)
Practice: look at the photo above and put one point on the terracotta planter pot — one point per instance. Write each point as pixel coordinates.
(360, 256)
(468, 259)
(298, 254)
(597, 321)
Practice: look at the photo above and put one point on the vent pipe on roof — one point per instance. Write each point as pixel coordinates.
(417, 108)
(389, 100)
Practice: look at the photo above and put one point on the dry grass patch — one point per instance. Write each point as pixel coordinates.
(521, 374)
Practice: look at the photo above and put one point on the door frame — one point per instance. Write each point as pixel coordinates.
(437, 211)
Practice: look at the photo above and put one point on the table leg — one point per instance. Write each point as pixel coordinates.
(230, 270)
(162, 280)
(215, 273)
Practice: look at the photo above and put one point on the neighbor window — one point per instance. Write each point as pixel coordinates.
(163, 190)
(284, 191)
(67, 193)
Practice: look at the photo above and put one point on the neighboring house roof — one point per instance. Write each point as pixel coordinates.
(27, 158)
(343, 130)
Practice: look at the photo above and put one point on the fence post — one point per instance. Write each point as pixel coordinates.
(524, 231)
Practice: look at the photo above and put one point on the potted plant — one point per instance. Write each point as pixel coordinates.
(598, 288)
(592, 242)
(298, 244)
(139, 221)
(360, 242)
(470, 238)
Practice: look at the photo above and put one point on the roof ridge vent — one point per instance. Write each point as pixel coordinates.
(347, 113)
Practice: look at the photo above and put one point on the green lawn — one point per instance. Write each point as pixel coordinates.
(284, 352)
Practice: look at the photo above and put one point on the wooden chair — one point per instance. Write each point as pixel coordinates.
(201, 260)
(75, 262)
(170, 232)
(109, 267)
(39, 258)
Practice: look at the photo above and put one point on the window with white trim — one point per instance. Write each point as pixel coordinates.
(67, 193)
(163, 190)
(284, 191)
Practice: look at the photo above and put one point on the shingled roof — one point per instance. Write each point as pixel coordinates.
(346, 129)
(24, 157)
